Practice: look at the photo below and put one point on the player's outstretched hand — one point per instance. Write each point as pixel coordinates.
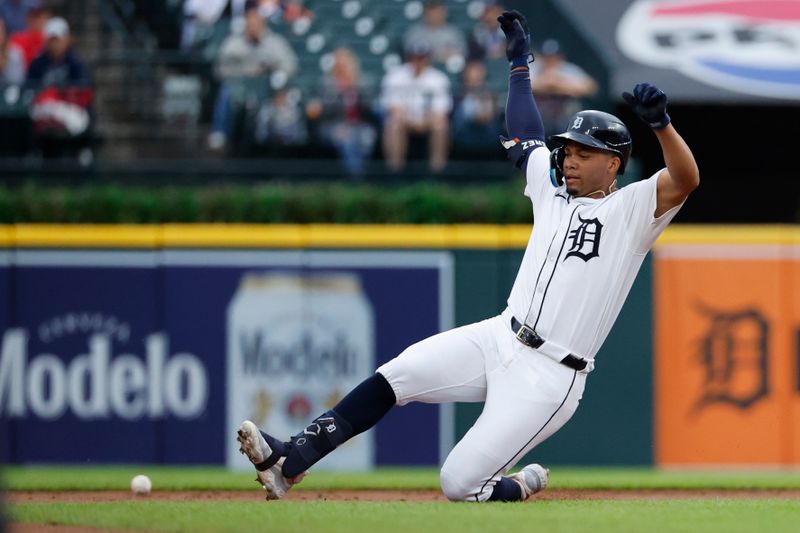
(518, 37)
(650, 103)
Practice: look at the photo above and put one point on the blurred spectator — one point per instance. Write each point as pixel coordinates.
(256, 53)
(12, 64)
(286, 11)
(476, 120)
(558, 86)
(344, 113)
(272, 10)
(294, 10)
(198, 14)
(486, 40)
(61, 111)
(15, 12)
(280, 121)
(58, 64)
(445, 40)
(31, 39)
(416, 99)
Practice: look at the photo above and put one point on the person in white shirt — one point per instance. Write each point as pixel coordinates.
(416, 99)
(530, 363)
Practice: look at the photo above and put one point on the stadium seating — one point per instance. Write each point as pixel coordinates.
(372, 28)
(155, 100)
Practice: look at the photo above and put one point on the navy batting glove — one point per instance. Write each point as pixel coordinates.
(650, 103)
(518, 37)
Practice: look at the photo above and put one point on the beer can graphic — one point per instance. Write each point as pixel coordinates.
(296, 343)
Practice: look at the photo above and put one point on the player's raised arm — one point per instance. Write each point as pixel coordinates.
(681, 176)
(523, 121)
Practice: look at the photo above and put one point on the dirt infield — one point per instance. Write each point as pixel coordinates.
(393, 495)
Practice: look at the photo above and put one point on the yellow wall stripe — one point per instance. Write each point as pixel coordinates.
(85, 236)
(234, 236)
(7, 236)
(731, 234)
(491, 237)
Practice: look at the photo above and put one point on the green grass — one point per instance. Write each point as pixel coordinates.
(206, 478)
(596, 516)
(703, 516)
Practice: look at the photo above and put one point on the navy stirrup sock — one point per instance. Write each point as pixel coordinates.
(506, 490)
(316, 441)
(365, 405)
(361, 409)
(279, 449)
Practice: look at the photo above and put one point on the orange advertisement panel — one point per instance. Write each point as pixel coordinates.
(793, 277)
(725, 367)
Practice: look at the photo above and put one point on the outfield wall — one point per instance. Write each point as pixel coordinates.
(196, 327)
(728, 348)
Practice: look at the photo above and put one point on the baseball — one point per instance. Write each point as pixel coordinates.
(141, 485)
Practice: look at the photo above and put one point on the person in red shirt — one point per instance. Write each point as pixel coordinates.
(31, 40)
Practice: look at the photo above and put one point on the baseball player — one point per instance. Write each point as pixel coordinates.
(529, 364)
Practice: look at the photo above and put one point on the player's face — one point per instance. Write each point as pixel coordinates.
(588, 170)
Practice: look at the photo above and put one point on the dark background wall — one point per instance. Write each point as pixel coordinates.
(746, 151)
(748, 160)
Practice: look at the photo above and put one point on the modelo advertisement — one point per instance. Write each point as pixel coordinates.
(156, 357)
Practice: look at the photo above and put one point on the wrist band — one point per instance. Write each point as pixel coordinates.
(661, 124)
(521, 61)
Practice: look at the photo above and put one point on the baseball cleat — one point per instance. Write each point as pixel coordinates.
(274, 483)
(252, 443)
(255, 447)
(532, 479)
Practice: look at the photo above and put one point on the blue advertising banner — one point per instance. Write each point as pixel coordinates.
(6, 299)
(155, 356)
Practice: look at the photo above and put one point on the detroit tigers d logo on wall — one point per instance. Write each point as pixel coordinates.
(740, 45)
(734, 355)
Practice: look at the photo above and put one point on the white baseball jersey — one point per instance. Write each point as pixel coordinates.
(581, 260)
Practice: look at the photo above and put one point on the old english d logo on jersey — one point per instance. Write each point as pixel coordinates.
(585, 239)
(734, 355)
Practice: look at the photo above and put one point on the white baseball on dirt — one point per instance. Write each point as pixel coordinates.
(141, 485)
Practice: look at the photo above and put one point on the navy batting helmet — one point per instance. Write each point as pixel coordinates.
(599, 130)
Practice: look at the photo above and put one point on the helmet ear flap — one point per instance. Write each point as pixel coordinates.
(557, 166)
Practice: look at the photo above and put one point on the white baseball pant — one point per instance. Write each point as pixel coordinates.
(527, 396)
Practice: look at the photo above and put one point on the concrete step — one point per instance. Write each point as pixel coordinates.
(128, 95)
(155, 132)
(117, 150)
(133, 94)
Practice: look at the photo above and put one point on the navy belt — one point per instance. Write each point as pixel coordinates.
(528, 337)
